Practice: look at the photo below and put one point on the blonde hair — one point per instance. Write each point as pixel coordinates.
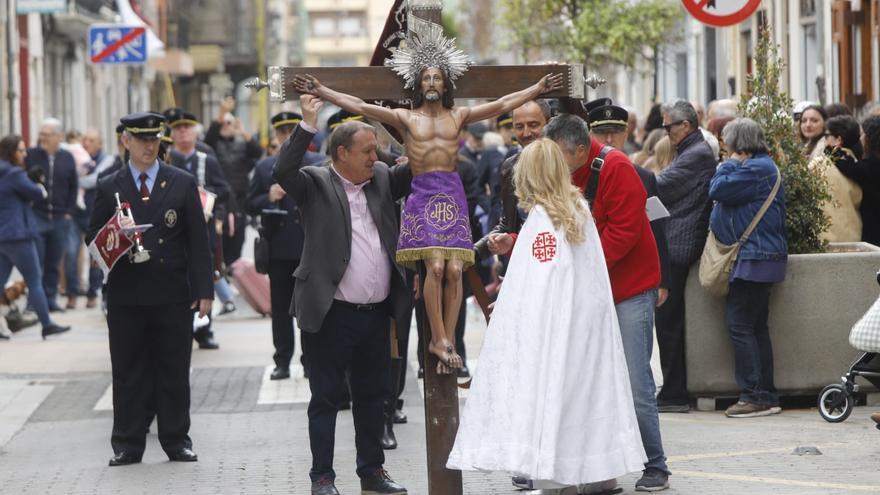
(541, 177)
(664, 153)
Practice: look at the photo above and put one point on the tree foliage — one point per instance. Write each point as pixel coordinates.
(597, 33)
(805, 188)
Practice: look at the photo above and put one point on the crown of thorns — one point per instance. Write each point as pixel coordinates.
(430, 48)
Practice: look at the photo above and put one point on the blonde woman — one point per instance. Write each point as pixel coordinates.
(663, 155)
(553, 338)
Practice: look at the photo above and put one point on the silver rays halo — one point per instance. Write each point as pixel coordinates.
(427, 48)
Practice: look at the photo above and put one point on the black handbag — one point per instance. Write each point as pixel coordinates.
(261, 252)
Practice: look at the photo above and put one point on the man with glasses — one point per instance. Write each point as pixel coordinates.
(684, 189)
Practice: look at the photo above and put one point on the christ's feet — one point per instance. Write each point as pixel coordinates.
(445, 352)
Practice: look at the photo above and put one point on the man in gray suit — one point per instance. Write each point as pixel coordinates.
(347, 288)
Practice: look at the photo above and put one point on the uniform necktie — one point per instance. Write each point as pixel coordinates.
(145, 192)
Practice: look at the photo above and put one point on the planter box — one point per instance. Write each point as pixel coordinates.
(811, 314)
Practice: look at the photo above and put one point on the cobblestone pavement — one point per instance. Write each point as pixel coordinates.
(251, 433)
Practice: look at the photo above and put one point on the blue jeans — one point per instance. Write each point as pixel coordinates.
(23, 255)
(51, 242)
(636, 318)
(71, 258)
(748, 308)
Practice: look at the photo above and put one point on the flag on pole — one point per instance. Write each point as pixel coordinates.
(108, 247)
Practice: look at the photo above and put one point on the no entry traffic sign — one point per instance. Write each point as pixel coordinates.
(721, 13)
(118, 44)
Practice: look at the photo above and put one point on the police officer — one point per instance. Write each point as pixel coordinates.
(285, 235)
(150, 302)
(185, 154)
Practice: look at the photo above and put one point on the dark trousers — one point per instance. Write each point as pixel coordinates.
(355, 340)
(232, 244)
(747, 313)
(281, 283)
(150, 351)
(669, 320)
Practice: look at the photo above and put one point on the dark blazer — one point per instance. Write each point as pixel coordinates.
(684, 189)
(866, 173)
(326, 221)
(179, 269)
(215, 181)
(62, 185)
(285, 233)
(510, 221)
(649, 180)
(17, 192)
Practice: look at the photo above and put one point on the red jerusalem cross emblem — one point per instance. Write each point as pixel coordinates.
(544, 247)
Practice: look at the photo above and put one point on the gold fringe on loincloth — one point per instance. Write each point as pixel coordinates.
(410, 257)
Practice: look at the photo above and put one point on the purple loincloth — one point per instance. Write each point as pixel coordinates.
(435, 222)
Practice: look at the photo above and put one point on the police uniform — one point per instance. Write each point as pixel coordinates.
(603, 114)
(285, 236)
(174, 114)
(148, 303)
(209, 175)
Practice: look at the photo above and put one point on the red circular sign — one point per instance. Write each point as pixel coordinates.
(721, 13)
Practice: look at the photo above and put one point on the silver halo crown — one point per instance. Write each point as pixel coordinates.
(427, 48)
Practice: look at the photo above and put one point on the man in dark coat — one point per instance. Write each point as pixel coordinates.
(149, 302)
(185, 155)
(281, 227)
(54, 214)
(684, 189)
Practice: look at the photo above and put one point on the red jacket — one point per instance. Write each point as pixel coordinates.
(619, 209)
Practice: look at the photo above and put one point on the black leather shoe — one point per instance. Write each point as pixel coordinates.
(183, 455)
(324, 487)
(280, 373)
(399, 417)
(207, 343)
(389, 441)
(379, 483)
(55, 308)
(53, 329)
(124, 458)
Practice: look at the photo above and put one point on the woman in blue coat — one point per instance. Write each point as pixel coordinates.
(17, 230)
(739, 188)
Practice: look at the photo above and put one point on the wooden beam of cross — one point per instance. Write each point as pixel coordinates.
(382, 84)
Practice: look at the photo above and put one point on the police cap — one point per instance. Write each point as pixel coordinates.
(285, 118)
(144, 125)
(608, 117)
(504, 120)
(178, 116)
(342, 117)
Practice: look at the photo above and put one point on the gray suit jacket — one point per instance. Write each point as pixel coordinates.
(326, 221)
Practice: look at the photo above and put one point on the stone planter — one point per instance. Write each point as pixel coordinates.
(811, 314)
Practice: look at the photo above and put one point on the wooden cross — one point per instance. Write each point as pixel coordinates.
(382, 84)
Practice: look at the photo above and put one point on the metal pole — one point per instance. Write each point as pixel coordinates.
(12, 62)
(262, 96)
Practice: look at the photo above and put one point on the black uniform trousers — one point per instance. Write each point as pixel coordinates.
(281, 283)
(359, 341)
(669, 320)
(150, 352)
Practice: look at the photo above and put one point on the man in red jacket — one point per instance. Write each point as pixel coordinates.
(618, 206)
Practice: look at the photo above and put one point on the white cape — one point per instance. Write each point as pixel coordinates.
(550, 399)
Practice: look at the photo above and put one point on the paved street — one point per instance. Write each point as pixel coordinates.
(251, 436)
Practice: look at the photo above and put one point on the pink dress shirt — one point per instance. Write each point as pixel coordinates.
(367, 279)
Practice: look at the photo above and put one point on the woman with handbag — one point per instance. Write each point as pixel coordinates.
(750, 210)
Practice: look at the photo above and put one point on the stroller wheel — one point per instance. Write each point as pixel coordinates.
(835, 404)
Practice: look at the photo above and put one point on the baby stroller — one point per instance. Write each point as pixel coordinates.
(836, 401)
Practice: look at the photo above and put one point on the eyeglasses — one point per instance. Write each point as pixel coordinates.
(672, 124)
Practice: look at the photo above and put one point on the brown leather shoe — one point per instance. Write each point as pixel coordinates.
(71, 302)
(91, 302)
(876, 418)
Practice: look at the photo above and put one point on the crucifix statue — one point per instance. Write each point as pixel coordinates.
(435, 230)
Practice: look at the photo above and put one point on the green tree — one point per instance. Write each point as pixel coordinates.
(597, 33)
(805, 188)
